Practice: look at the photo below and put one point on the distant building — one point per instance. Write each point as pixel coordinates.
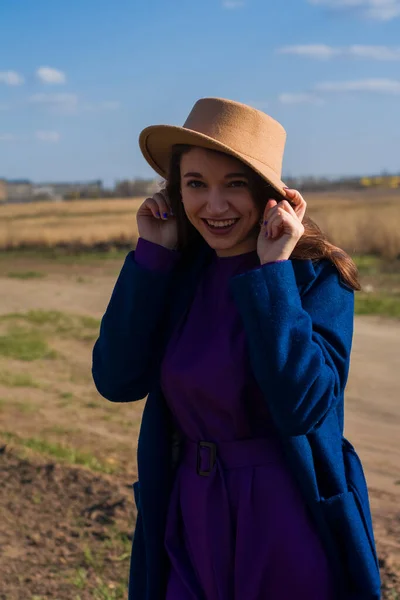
(42, 192)
(86, 189)
(19, 190)
(136, 187)
(3, 190)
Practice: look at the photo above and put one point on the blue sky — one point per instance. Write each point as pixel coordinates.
(80, 79)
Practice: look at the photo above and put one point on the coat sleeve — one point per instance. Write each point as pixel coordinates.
(299, 345)
(124, 355)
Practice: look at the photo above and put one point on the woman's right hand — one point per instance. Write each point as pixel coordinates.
(156, 223)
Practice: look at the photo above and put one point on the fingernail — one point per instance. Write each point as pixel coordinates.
(165, 215)
(266, 234)
(286, 188)
(158, 214)
(265, 222)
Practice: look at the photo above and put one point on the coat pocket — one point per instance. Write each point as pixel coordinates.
(357, 484)
(348, 518)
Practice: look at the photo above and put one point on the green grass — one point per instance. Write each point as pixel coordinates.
(377, 304)
(80, 327)
(104, 592)
(79, 579)
(367, 264)
(118, 540)
(66, 255)
(17, 380)
(60, 452)
(92, 404)
(24, 344)
(24, 407)
(92, 561)
(60, 430)
(25, 275)
(62, 322)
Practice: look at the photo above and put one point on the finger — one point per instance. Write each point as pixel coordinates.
(277, 222)
(287, 207)
(153, 207)
(274, 225)
(271, 204)
(164, 193)
(297, 199)
(291, 192)
(163, 207)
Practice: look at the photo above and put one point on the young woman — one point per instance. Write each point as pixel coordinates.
(235, 316)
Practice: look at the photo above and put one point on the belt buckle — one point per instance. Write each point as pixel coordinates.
(213, 457)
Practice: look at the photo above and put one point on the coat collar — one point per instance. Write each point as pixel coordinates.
(304, 269)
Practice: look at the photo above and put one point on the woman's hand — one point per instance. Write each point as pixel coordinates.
(282, 228)
(155, 221)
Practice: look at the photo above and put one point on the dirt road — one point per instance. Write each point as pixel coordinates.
(372, 418)
(372, 399)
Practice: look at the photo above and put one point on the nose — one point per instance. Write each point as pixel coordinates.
(217, 204)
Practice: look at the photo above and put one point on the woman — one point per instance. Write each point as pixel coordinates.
(235, 316)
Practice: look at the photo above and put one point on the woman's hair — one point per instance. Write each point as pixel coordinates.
(313, 244)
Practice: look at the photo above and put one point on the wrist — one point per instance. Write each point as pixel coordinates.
(155, 256)
(269, 261)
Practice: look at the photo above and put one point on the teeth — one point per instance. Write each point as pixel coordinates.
(221, 223)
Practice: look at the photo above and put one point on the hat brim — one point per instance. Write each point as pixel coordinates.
(156, 143)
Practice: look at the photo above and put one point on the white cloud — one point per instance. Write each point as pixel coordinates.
(49, 75)
(375, 52)
(383, 86)
(232, 4)
(378, 10)
(321, 51)
(69, 104)
(60, 103)
(310, 50)
(47, 136)
(11, 78)
(300, 98)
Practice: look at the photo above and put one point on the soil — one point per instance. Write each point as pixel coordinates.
(65, 531)
(55, 521)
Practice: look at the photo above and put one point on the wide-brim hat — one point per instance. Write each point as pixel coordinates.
(239, 130)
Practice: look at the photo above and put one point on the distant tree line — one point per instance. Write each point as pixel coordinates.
(26, 191)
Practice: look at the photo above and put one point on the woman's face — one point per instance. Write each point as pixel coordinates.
(218, 202)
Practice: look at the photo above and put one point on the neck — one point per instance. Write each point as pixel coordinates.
(243, 248)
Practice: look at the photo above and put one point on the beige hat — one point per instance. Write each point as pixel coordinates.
(218, 124)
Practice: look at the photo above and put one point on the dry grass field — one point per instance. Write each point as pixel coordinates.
(364, 222)
(68, 457)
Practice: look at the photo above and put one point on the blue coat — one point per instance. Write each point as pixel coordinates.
(298, 316)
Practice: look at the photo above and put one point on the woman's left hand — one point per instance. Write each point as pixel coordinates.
(282, 227)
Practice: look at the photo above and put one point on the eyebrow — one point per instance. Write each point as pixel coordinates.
(228, 176)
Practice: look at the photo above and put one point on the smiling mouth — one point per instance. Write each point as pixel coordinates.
(221, 227)
(220, 224)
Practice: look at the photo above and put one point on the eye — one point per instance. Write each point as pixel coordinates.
(238, 183)
(194, 183)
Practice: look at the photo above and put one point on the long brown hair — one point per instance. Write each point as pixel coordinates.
(313, 244)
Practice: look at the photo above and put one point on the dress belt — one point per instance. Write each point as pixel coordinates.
(203, 455)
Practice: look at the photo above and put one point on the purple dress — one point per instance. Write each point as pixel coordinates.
(241, 530)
